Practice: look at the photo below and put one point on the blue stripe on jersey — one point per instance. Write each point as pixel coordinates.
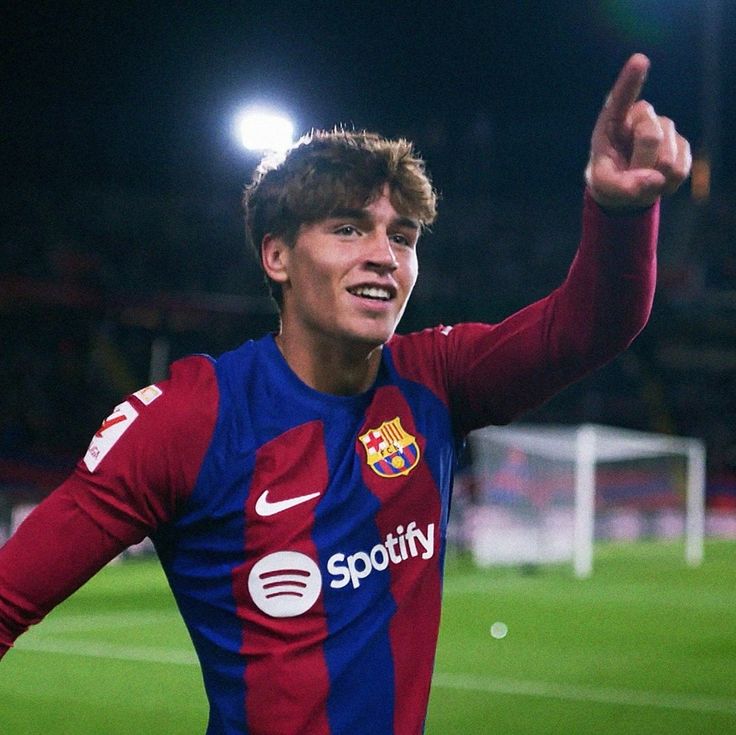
(358, 651)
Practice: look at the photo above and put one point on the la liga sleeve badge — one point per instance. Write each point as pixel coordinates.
(113, 427)
(390, 450)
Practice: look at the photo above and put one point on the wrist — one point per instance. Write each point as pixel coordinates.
(617, 210)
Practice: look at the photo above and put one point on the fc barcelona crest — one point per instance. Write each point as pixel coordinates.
(390, 450)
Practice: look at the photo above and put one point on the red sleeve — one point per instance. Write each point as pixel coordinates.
(492, 373)
(140, 468)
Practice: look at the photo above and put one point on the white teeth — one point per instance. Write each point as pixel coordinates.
(372, 292)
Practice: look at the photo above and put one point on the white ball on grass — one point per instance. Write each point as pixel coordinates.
(499, 630)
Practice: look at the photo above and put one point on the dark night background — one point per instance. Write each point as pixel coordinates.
(122, 242)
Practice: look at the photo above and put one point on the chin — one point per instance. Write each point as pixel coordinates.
(374, 338)
(370, 333)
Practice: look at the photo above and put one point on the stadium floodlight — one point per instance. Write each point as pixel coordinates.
(259, 129)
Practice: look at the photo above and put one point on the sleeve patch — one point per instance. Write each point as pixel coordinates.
(113, 427)
(148, 394)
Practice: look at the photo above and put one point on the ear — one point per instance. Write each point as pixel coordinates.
(275, 258)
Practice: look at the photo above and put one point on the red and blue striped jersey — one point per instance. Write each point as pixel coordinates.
(323, 591)
(303, 534)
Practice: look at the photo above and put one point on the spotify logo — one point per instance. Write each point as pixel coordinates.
(285, 584)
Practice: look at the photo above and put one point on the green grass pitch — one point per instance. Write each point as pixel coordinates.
(646, 645)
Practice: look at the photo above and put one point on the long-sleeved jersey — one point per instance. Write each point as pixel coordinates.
(303, 534)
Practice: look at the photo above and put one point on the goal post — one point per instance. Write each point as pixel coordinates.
(545, 493)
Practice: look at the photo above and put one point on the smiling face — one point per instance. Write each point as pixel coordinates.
(346, 280)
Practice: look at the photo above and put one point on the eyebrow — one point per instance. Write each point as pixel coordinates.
(362, 215)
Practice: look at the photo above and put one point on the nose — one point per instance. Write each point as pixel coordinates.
(380, 255)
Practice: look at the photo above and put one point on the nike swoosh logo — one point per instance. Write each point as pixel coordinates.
(266, 507)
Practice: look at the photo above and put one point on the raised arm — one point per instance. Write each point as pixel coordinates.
(499, 371)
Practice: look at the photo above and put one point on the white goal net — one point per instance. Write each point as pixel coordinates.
(544, 493)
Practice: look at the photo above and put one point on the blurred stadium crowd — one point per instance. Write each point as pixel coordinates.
(100, 289)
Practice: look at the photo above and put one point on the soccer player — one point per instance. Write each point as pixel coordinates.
(297, 488)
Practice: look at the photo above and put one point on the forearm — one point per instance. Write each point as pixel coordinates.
(607, 296)
(56, 550)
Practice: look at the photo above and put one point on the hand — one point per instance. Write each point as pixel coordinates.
(636, 156)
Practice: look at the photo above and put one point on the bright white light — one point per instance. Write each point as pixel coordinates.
(261, 130)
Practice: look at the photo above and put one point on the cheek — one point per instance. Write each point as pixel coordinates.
(318, 284)
(411, 273)
(314, 272)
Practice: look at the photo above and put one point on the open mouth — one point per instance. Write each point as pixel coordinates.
(376, 293)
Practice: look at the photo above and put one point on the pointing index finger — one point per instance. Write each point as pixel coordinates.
(627, 87)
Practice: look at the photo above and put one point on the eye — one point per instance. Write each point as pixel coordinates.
(400, 239)
(346, 231)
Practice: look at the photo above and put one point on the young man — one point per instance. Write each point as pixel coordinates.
(297, 489)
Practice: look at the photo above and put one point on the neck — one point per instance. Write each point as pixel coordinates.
(337, 369)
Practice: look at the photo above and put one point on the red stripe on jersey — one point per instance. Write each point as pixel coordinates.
(278, 590)
(409, 504)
